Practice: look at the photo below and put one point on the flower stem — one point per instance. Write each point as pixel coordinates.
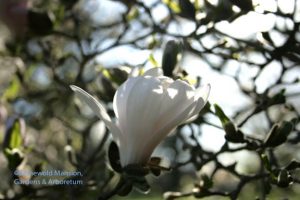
(114, 191)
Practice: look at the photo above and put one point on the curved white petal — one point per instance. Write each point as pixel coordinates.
(162, 108)
(121, 97)
(98, 109)
(120, 109)
(165, 81)
(203, 92)
(155, 72)
(134, 72)
(163, 131)
(142, 108)
(177, 97)
(201, 96)
(178, 108)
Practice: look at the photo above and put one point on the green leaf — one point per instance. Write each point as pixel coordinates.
(13, 134)
(232, 133)
(266, 162)
(13, 89)
(133, 14)
(16, 137)
(59, 15)
(174, 6)
(197, 4)
(219, 112)
(152, 60)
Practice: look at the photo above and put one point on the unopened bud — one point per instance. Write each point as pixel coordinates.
(187, 9)
(170, 57)
(232, 134)
(14, 133)
(278, 134)
(284, 178)
(14, 157)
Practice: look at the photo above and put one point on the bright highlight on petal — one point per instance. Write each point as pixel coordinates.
(147, 109)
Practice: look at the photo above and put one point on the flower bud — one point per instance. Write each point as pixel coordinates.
(119, 75)
(114, 157)
(278, 134)
(232, 134)
(170, 57)
(293, 165)
(14, 133)
(284, 178)
(14, 157)
(106, 88)
(187, 9)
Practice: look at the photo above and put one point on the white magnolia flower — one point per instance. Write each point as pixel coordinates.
(147, 109)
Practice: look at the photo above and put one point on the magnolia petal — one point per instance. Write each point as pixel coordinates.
(203, 92)
(121, 96)
(148, 147)
(98, 109)
(142, 107)
(165, 82)
(175, 99)
(154, 72)
(142, 104)
(175, 120)
(120, 109)
(134, 72)
(163, 131)
(201, 96)
(185, 110)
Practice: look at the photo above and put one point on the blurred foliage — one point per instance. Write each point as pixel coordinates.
(43, 127)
